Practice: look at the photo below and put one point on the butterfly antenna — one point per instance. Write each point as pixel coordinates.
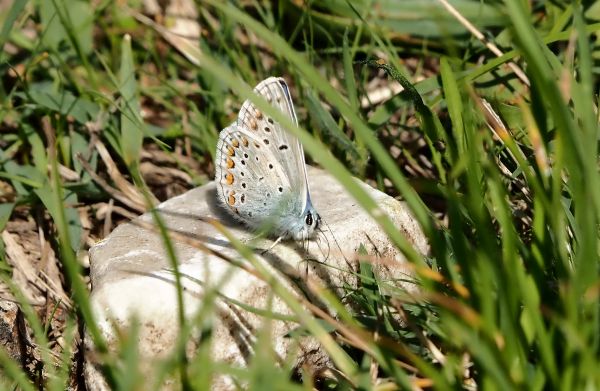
(321, 234)
(306, 243)
(305, 247)
(337, 245)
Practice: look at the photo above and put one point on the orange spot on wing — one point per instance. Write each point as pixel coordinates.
(253, 124)
(230, 163)
(229, 178)
(231, 199)
(235, 143)
(245, 141)
(259, 114)
(230, 151)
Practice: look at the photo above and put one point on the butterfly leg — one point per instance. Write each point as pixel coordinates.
(275, 243)
(252, 239)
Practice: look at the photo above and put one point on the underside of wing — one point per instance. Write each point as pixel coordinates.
(279, 141)
(251, 180)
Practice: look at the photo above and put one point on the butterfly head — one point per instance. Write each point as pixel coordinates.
(306, 226)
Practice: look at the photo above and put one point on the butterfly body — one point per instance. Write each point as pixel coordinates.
(260, 169)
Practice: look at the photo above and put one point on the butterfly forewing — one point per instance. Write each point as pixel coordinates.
(280, 142)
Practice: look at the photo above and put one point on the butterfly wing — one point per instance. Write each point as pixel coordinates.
(251, 181)
(279, 141)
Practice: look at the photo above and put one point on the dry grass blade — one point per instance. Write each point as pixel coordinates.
(25, 276)
(537, 143)
(479, 35)
(66, 173)
(184, 37)
(380, 94)
(166, 173)
(108, 217)
(501, 133)
(433, 349)
(52, 273)
(122, 184)
(116, 194)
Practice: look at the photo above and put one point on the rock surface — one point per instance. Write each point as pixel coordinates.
(131, 278)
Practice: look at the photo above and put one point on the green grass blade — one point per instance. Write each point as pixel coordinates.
(131, 122)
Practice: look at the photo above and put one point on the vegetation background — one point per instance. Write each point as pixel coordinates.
(481, 115)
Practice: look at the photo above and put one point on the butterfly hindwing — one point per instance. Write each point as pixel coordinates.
(251, 181)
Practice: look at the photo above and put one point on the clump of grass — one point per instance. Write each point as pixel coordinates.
(501, 172)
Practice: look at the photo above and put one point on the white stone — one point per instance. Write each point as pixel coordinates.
(131, 279)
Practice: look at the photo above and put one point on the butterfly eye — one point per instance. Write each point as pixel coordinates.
(309, 219)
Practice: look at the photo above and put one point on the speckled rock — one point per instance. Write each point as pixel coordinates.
(131, 279)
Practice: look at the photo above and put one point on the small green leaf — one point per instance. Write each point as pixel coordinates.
(5, 212)
(8, 22)
(23, 175)
(63, 101)
(131, 122)
(80, 145)
(59, 18)
(455, 106)
(349, 74)
(38, 150)
(72, 216)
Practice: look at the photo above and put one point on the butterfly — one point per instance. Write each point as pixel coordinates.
(260, 169)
